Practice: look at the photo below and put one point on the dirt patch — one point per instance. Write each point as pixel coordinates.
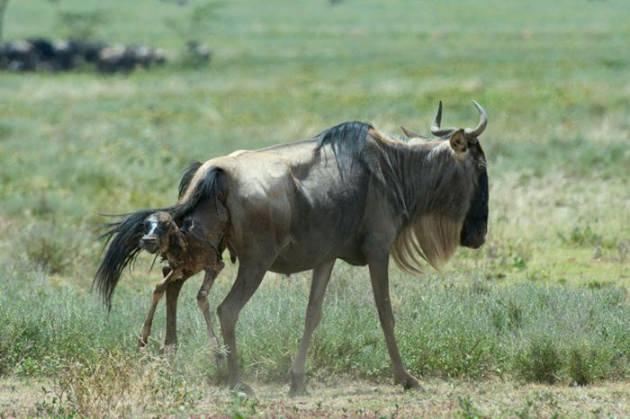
(21, 397)
(439, 399)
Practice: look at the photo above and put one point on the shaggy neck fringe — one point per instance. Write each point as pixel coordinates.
(432, 238)
(433, 191)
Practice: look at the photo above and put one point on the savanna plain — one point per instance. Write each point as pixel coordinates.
(535, 323)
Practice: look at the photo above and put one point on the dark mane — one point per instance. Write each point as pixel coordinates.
(346, 138)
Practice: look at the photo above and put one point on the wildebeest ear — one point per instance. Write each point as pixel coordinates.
(409, 133)
(458, 141)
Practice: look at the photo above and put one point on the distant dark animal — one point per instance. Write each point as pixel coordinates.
(198, 53)
(115, 58)
(127, 58)
(188, 250)
(88, 51)
(65, 56)
(351, 193)
(18, 56)
(34, 54)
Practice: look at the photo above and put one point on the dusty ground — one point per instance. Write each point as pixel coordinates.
(351, 399)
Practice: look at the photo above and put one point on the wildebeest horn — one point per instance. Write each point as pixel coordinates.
(410, 134)
(435, 127)
(483, 121)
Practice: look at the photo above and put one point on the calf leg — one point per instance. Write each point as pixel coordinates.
(247, 281)
(156, 297)
(204, 306)
(380, 285)
(172, 294)
(148, 322)
(321, 276)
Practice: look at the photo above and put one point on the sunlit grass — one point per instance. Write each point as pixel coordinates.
(545, 300)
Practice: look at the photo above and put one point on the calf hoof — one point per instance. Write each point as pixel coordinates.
(298, 385)
(408, 382)
(142, 342)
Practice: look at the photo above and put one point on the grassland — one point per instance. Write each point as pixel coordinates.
(545, 301)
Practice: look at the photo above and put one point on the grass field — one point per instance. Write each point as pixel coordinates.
(543, 307)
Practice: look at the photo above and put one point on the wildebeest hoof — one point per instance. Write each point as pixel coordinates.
(298, 392)
(169, 348)
(243, 388)
(409, 382)
(220, 361)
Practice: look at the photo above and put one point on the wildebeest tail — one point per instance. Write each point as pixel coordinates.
(122, 237)
(187, 177)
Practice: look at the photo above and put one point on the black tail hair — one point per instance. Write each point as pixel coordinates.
(187, 176)
(122, 237)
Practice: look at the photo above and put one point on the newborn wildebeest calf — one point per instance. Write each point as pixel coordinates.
(188, 250)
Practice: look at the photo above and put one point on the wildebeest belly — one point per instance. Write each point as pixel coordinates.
(302, 257)
(326, 224)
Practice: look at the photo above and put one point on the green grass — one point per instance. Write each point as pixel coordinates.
(447, 327)
(546, 300)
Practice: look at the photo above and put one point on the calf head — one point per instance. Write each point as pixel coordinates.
(159, 231)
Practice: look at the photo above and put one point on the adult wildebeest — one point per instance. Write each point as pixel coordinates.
(350, 193)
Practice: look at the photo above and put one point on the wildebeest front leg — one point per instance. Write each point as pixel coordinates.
(380, 285)
(172, 293)
(247, 281)
(155, 299)
(321, 277)
(204, 306)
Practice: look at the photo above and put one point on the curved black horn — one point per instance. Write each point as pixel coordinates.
(435, 127)
(483, 122)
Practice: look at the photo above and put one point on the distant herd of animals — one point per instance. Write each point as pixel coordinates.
(41, 54)
(351, 192)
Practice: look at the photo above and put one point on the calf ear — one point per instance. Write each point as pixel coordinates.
(458, 141)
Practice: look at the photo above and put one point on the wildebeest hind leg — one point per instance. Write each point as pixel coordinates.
(321, 276)
(380, 286)
(247, 282)
(204, 306)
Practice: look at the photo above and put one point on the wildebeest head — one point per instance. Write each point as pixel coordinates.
(467, 149)
(465, 143)
(159, 230)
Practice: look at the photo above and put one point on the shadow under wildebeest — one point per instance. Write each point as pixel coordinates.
(350, 193)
